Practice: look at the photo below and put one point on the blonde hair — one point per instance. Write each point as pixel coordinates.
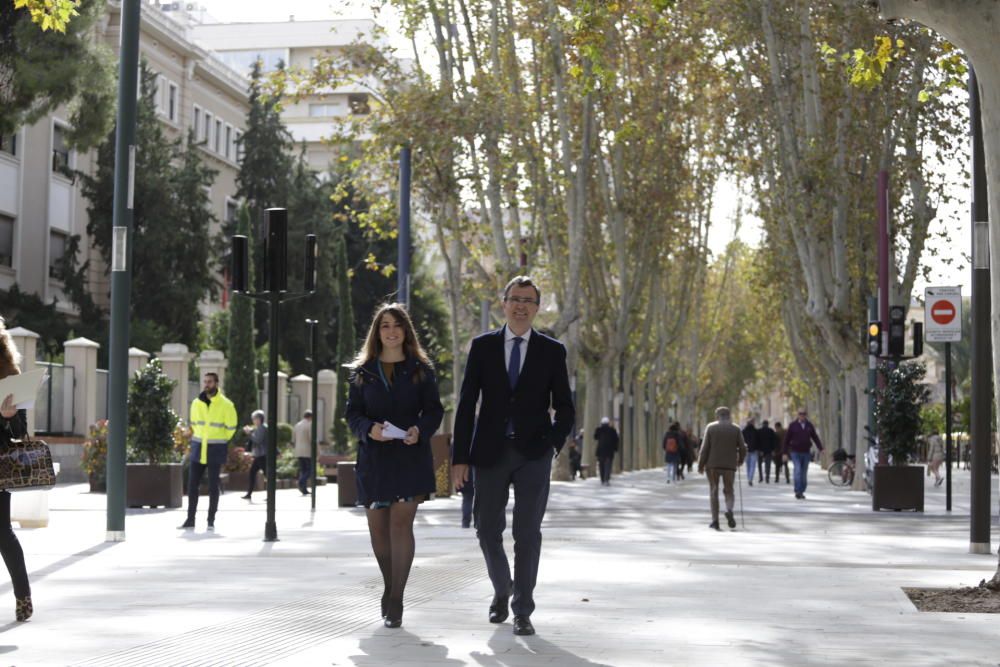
(373, 343)
(10, 358)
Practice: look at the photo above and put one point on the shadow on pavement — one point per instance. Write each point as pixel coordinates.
(60, 564)
(508, 649)
(380, 652)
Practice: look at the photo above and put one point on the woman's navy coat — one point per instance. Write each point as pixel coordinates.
(391, 470)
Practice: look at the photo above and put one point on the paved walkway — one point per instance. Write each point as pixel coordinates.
(630, 575)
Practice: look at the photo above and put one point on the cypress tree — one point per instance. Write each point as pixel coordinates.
(241, 381)
(345, 345)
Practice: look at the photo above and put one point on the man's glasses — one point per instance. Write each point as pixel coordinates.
(521, 299)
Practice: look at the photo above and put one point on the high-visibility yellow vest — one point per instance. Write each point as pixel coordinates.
(210, 424)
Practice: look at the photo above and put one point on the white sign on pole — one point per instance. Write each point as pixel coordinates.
(943, 314)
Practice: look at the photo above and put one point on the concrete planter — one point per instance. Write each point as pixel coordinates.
(238, 481)
(153, 486)
(898, 488)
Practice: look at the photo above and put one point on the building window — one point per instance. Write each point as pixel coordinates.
(239, 146)
(232, 210)
(358, 103)
(218, 135)
(60, 149)
(8, 144)
(229, 141)
(243, 60)
(6, 240)
(57, 250)
(208, 129)
(325, 110)
(172, 102)
(196, 123)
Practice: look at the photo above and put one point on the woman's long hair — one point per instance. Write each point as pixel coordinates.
(10, 358)
(373, 342)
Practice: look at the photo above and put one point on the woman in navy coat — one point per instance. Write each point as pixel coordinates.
(392, 382)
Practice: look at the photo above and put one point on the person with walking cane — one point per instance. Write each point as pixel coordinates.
(722, 453)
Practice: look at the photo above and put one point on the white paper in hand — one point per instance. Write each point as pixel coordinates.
(389, 430)
(24, 387)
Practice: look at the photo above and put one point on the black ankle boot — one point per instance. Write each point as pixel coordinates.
(385, 603)
(394, 614)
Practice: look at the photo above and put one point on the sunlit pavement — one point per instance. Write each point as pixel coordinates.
(630, 575)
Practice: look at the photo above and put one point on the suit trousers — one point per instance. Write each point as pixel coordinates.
(727, 476)
(530, 479)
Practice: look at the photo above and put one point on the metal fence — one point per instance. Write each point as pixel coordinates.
(54, 404)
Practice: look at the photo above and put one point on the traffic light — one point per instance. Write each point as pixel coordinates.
(918, 339)
(897, 330)
(875, 339)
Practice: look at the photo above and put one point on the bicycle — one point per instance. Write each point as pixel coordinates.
(841, 473)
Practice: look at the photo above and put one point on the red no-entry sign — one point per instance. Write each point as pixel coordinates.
(942, 312)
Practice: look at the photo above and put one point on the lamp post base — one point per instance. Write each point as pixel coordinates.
(980, 548)
(270, 532)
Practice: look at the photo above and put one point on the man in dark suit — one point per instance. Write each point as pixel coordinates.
(518, 374)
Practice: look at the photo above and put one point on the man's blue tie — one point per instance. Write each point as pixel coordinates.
(513, 370)
(514, 367)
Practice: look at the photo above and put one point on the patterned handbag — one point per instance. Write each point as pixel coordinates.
(26, 464)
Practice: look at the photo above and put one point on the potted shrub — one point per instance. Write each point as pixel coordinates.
(899, 485)
(154, 472)
(95, 456)
(238, 463)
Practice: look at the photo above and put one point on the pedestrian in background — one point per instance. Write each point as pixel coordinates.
(750, 438)
(935, 457)
(722, 453)
(302, 437)
(673, 450)
(213, 424)
(13, 426)
(575, 461)
(767, 443)
(780, 460)
(392, 382)
(799, 438)
(257, 439)
(607, 444)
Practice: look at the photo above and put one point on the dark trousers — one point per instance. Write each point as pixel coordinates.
(194, 481)
(778, 465)
(530, 479)
(764, 468)
(10, 548)
(259, 465)
(305, 473)
(604, 463)
(468, 495)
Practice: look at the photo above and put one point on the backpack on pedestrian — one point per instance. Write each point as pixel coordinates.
(670, 444)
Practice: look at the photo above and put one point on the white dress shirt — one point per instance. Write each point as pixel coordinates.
(508, 347)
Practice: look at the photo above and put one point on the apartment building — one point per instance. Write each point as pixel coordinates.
(298, 45)
(40, 207)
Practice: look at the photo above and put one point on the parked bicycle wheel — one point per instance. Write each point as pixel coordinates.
(841, 474)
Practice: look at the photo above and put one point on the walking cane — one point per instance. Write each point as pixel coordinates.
(739, 489)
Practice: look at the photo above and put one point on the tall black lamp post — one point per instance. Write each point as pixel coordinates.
(314, 400)
(275, 292)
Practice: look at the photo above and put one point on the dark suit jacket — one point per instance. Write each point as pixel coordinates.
(544, 382)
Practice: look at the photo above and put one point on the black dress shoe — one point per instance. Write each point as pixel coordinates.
(499, 609)
(730, 519)
(714, 524)
(523, 626)
(393, 614)
(187, 524)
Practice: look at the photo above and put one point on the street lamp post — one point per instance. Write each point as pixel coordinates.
(274, 294)
(315, 400)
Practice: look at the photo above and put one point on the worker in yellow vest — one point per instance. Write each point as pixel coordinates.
(213, 423)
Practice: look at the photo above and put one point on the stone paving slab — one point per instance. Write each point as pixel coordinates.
(630, 575)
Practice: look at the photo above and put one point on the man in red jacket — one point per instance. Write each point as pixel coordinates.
(798, 442)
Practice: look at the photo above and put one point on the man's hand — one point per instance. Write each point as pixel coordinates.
(412, 436)
(376, 433)
(8, 409)
(784, 458)
(459, 475)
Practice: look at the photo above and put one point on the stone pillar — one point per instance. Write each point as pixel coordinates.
(26, 342)
(136, 359)
(175, 358)
(213, 361)
(282, 397)
(327, 381)
(302, 387)
(81, 356)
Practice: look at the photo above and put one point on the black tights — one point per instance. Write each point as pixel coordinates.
(391, 531)
(259, 464)
(10, 548)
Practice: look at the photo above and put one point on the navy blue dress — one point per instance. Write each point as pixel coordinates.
(389, 471)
